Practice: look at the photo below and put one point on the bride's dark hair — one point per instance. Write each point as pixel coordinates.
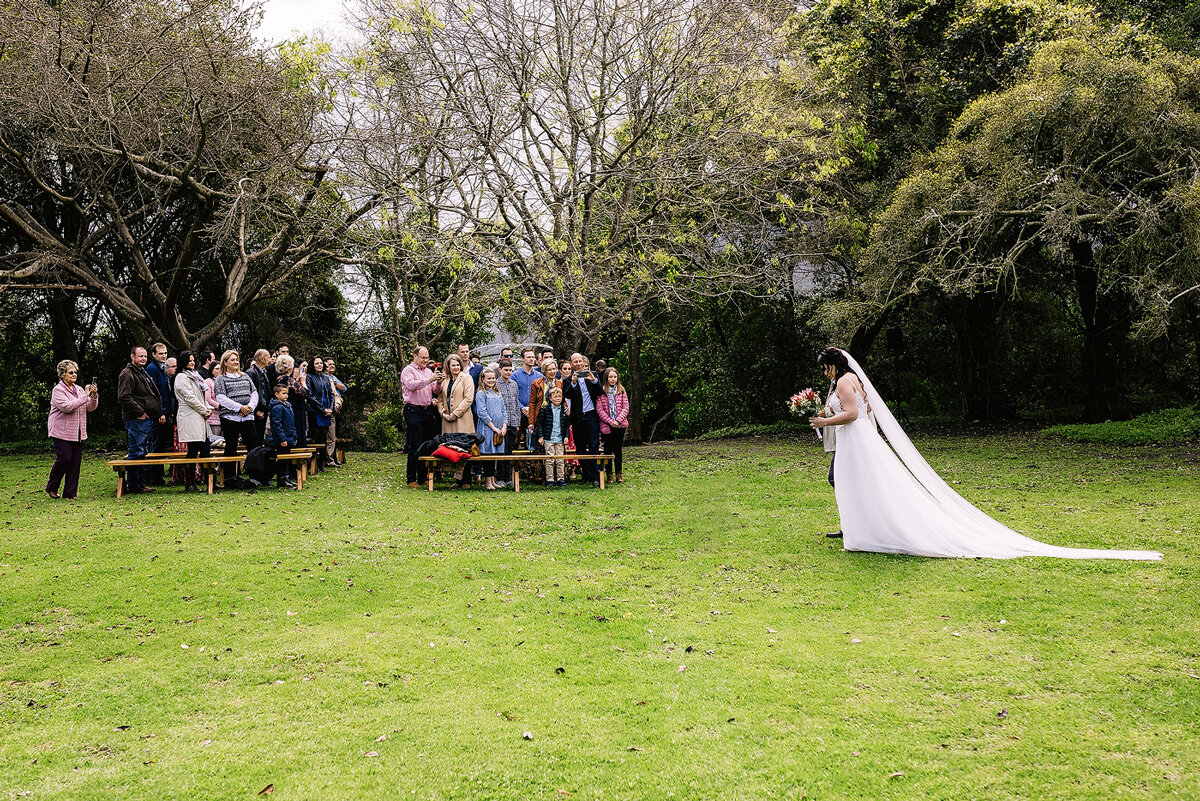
(837, 359)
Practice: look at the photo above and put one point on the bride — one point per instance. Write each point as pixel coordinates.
(892, 501)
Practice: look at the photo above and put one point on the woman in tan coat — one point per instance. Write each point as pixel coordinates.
(454, 402)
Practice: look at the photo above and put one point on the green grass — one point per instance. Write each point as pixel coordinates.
(1166, 427)
(689, 634)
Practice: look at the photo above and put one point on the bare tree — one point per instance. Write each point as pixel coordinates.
(413, 280)
(156, 158)
(590, 153)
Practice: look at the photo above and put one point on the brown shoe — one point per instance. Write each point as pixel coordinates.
(619, 479)
(414, 485)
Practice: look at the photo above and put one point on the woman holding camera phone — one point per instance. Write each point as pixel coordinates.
(67, 427)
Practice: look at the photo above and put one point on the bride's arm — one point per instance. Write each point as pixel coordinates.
(845, 393)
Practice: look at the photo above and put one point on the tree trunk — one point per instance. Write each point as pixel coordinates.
(1194, 307)
(62, 326)
(864, 337)
(1092, 312)
(975, 324)
(634, 385)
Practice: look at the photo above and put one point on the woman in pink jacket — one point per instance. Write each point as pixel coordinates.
(612, 407)
(67, 426)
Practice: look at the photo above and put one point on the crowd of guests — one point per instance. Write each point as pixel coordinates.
(193, 404)
(538, 403)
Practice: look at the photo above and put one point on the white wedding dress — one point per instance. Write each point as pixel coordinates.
(892, 501)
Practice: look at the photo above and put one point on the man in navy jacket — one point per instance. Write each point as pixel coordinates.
(165, 428)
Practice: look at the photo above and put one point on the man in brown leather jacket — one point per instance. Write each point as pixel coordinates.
(141, 406)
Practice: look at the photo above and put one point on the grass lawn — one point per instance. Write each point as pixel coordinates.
(689, 634)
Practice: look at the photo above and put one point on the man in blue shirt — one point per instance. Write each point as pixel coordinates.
(525, 378)
(464, 353)
(164, 428)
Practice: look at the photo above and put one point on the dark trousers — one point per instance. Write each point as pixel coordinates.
(832, 457)
(233, 430)
(139, 438)
(319, 435)
(68, 456)
(421, 424)
(301, 414)
(260, 428)
(195, 450)
(586, 428)
(613, 443)
(504, 469)
(164, 442)
(283, 472)
(524, 435)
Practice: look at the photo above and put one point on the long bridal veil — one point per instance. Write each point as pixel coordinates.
(951, 523)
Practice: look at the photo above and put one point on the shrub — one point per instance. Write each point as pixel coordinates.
(1166, 427)
(383, 428)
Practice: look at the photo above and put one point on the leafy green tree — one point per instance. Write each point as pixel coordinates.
(1083, 175)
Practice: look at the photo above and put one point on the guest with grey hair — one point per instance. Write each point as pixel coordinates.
(67, 427)
(285, 368)
(262, 385)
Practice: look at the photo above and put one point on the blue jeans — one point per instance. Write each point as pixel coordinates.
(139, 435)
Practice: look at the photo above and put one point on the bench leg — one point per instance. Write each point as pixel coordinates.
(601, 473)
(300, 478)
(429, 476)
(209, 473)
(516, 474)
(120, 483)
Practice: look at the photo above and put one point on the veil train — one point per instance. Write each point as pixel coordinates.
(972, 532)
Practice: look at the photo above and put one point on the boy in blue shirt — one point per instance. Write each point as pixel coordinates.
(552, 424)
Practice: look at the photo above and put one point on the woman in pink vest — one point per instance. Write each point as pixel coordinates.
(67, 426)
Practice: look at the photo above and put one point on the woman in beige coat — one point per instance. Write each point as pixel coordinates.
(191, 419)
(454, 402)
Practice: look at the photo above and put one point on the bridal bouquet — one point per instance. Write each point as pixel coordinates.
(805, 404)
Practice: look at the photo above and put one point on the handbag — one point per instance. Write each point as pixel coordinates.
(497, 438)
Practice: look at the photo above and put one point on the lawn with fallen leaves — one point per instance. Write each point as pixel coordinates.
(688, 634)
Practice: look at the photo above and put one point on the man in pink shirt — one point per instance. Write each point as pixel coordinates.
(418, 384)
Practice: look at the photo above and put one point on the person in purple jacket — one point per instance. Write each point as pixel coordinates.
(67, 426)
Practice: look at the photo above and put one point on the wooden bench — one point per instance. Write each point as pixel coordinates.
(310, 466)
(207, 464)
(517, 457)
